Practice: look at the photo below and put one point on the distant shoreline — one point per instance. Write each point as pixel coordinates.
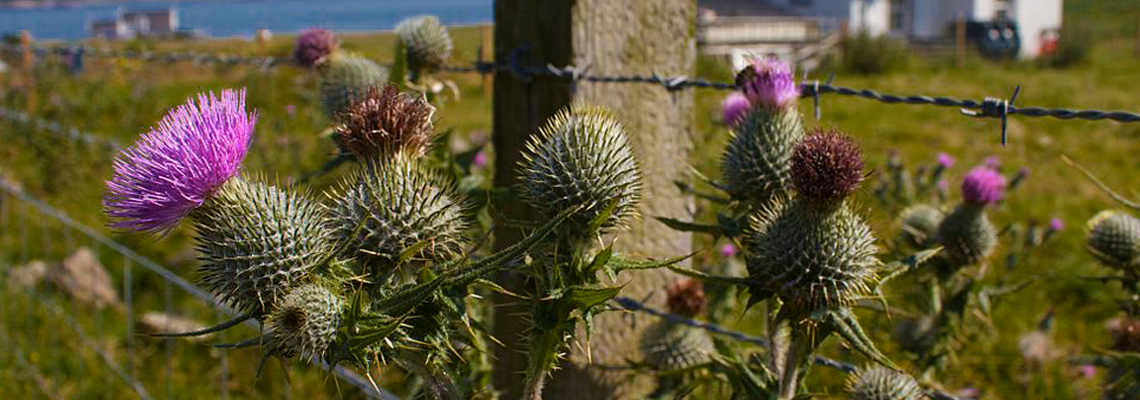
(34, 4)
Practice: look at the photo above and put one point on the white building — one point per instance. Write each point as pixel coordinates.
(921, 20)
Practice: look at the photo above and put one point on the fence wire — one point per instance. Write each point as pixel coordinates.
(170, 279)
(628, 304)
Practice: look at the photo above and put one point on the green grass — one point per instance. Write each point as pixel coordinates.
(121, 99)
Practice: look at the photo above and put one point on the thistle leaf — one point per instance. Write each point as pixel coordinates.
(843, 322)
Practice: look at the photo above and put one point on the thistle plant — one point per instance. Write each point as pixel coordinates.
(345, 80)
(668, 346)
(324, 280)
(580, 160)
(813, 256)
(966, 234)
(878, 383)
(425, 43)
(756, 164)
(314, 46)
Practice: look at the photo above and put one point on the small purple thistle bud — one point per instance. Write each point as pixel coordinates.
(945, 161)
(983, 186)
(313, 46)
(769, 83)
(944, 187)
(993, 162)
(177, 166)
(480, 160)
(827, 165)
(1088, 371)
(733, 108)
(1056, 225)
(728, 250)
(1019, 177)
(290, 110)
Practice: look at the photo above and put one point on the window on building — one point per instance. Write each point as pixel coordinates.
(898, 15)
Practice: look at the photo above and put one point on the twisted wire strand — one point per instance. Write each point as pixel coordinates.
(626, 303)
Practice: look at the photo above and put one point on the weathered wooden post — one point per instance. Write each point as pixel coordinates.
(613, 38)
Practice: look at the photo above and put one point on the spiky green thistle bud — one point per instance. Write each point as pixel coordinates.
(757, 162)
(392, 208)
(304, 323)
(1114, 238)
(345, 79)
(811, 250)
(427, 43)
(967, 236)
(581, 157)
(257, 241)
(667, 346)
(919, 225)
(880, 383)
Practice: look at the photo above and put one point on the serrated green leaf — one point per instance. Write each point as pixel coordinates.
(704, 277)
(844, 323)
(600, 219)
(600, 260)
(620, 263)
(585, 298)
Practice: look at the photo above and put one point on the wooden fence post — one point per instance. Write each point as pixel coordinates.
(614, 38)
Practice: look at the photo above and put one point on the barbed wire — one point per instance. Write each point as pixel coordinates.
(169, 276)
(626, 303)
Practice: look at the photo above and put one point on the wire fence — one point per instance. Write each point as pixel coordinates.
(989, 107)
(628, 304)
(103, 315)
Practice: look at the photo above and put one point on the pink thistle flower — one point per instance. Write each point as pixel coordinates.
(1056, 224)
(993, 162)
(480, 159)
(734, 107)
(983, 186)
(728, 250)
(177, 166)
(945, 160)
(769, 83)
(313, 46)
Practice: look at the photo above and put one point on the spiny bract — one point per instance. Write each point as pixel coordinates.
(808, 255)
(257, 242)
(919, 225)
(393, 204)
(427, 43)
(304, 323)
(581, 157)
(1114, 238)
(668, 346)
(879, 383)
(967, 235)
(345, 78)
(757, 163)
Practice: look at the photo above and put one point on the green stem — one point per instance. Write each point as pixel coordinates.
(543, 357)
(796, 363)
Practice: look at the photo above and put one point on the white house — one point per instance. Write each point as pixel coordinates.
(921, 20)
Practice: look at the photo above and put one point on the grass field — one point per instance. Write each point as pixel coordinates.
(122, 98)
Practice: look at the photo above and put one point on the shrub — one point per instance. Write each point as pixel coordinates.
(865, 54)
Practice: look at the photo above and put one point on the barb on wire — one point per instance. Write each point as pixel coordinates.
(45, 209)
(626, 303)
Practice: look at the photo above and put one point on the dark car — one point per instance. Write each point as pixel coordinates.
(994, 39)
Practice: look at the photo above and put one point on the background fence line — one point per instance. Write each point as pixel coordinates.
(130, 257)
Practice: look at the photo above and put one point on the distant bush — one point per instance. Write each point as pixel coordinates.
(1073, 48)
(865, 54)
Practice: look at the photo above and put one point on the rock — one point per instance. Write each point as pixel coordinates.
(28, 275)
(157, 322)
(81, 277)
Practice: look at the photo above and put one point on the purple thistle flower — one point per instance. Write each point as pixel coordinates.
(983, 186)
(313, 46)
(943, 187)
(993, 162)
(769, 83)
(945, 160)
(175, 167)
(734, 107)
(290, 110)
(480, 159)
(827, 164)
(1056, 224)
(1088, 371)
(728, 250)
